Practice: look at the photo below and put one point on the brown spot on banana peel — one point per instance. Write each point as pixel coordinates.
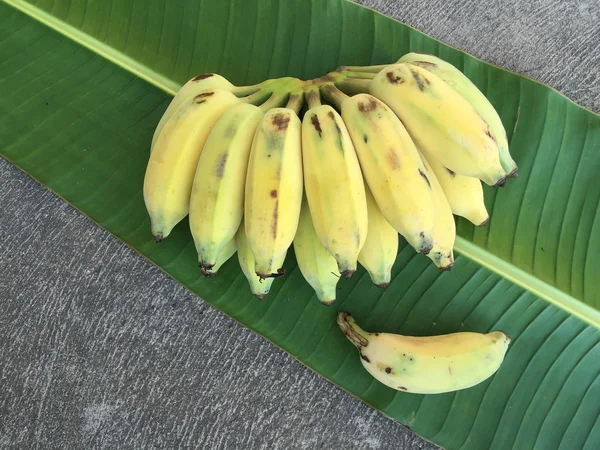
(452, 173)
(220, 169)
(365, 138)
(280, 272)
(402, 388)
(202, 77)
(420, 80)
(337, 127)
(426, 245)
(281, 121)
(315, 123)
(489, 133)
(275, 219)
(366, 358)
(423, 64)
(368, 107)
(425, 178)
(274, 193)
(392, 158)
(394, 79)
(201, 98)
(388, 370)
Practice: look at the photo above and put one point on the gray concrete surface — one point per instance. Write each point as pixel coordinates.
(101, 350)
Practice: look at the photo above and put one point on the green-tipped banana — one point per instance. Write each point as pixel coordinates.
(172, 165)
(317, 265)
(465, 87)
(259, 288)
(226, 252)
(427, 365)
(217, 201)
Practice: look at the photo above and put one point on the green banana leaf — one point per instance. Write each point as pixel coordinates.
(84, 83)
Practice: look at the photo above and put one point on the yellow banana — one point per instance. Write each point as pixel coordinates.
(440, 121)
(316, 264)
(226, 252)
(427, 365)
(444, 230)
(273, 189)
(259, 288)
(187, 92)
(381, 246)
(464, 194)
(391, 166)
(465, 87)
(172, 165)
(334, 186)
(217, 200)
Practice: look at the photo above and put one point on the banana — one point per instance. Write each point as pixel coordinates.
(464, 194)
(273, 189)
(334, 186)
(391, 166)
(227, 252)
(440, 121)
(172, 165)
(259, 288)
(217, 200)
(316, 264)
(444, 229)
(427, 365)
(188, 91)
(465, 87)
(381, 246)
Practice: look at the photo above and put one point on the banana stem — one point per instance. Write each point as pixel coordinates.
(371, 69)
(276, 100)
(352, 331)
(333, 95)
(353, 86)
(257, 97)
(360, 75)
(295, 101)
(313, 98)
(244, 91)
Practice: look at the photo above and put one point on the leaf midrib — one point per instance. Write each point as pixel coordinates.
(469, 250)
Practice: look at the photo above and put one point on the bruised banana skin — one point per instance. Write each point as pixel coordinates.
(440, 121)
(259, 288)
(274, 189)
(444, 230)
(427, 365)
(465, 87)
(392, 169)
(464, 194)
(217, 200)
(188, 91)
(334, 186)
(170, 172)
(318, 267)
(381, 246)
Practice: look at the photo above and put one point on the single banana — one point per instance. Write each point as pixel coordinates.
(316, 264)
(427, 365)
(467, 89)
(440, 121)
(273, 189)
(391, 166)
(227, 252)
(444, 230)
(334, 186)
(172, 164)
(381, 246)
(259, 288)
(217, 200)
(464, 194)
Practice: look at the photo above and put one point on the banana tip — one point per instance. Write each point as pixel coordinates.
(485, 222)
(260, 296)
(383, 285)
(500, 183)
(158, 238)
(514, 173)
(508, 339)
(347, 273)
(447, 268)
(327, 302)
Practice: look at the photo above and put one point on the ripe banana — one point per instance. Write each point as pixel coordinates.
(444, 229)
(316, 264)
(187, 92)
(464, 194)
(465, 87)
(172, 165)
(427, 365)
(334, 186)
(217, 200)
(391, 166)
(273, 189)
(227, 252)
(440, 121)
(381, 246)
(260, 288)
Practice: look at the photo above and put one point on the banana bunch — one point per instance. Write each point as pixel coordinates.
(336, 167)
(430, 364)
